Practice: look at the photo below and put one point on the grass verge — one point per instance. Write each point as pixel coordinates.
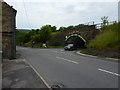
(107, 44)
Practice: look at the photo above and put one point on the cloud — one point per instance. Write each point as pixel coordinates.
(62, 1)
(62, 13)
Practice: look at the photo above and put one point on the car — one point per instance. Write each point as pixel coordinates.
(69, 47)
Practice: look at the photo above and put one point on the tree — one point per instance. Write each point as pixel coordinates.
(45, 33)
(70, 27)
(37, 31)
(104, 20)
(62, 29)
(27, 38)
(53, 28)
(36, 38)
(20, 37)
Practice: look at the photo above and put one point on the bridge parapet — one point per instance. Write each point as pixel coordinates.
(89, 32)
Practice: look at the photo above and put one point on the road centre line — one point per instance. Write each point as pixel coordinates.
(109, 72)
(54, 51)
(66, 53)
(67, 60)
(61, 52)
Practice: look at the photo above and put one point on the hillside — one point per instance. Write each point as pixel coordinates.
(108, 41)
(108, 38)
(24, 30)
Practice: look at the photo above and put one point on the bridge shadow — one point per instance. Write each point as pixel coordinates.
(77, 40)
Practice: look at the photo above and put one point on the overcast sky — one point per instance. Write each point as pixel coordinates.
(62, 13)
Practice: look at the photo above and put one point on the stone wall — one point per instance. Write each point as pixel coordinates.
(8, 31)
(89, 32)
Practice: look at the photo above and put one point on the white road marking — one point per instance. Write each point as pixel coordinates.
(63, 52)
(109, 72)
(24, 48)
(39, 75)
(54, 51)
(67, 60)
(67, 53)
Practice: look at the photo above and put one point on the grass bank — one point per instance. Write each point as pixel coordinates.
(106, 44)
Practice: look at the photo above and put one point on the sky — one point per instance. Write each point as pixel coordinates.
(33, 14)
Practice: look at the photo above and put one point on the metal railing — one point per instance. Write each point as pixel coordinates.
(100, 25)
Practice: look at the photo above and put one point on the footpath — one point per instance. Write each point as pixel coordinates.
(0, 70)
(18, 74)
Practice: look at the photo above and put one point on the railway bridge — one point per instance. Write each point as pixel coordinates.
(81, 37)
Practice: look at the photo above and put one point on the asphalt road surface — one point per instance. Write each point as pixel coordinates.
(69, 70)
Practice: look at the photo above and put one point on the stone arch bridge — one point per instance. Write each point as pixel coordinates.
(81, 37)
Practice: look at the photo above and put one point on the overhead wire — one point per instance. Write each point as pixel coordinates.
(26, 13)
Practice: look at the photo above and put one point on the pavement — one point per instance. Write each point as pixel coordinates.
(18, 74)
(0, 77)
(70, 70)
(0, 70)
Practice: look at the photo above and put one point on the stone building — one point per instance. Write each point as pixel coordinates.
(8, 31)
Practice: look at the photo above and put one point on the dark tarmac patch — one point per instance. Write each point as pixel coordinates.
(58, 85)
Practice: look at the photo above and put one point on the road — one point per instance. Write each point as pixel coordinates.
(70, 70)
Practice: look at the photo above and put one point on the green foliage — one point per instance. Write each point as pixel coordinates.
(45, 33)
(62, 29)
(79, 26)
(104, 20)
(35, 38)
(84, 51)
(28, 44)
(54, 33)
(108, 38)
(27, 38)
(20, 36)
(57, 39)
(53, 29)
(72, 27)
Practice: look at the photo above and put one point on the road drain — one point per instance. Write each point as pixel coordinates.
(57, 86)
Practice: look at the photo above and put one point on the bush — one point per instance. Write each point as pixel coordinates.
(28, 44)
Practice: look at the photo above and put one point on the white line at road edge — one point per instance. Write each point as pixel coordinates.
(39, 75)
(67, 60)
(109, 72)
(62, 50)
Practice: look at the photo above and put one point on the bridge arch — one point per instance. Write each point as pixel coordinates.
(77, 39)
